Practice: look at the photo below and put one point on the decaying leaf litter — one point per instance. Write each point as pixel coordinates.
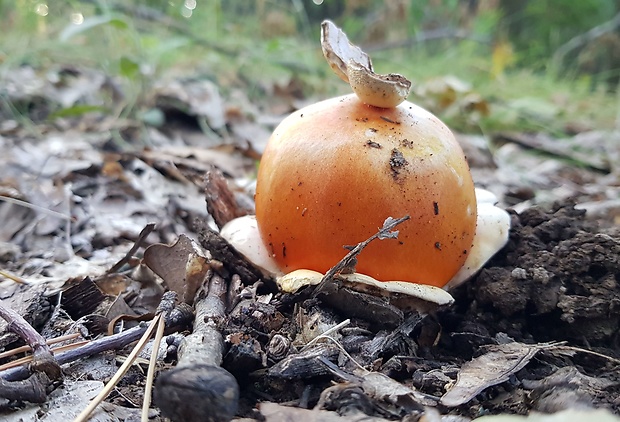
(80, 256)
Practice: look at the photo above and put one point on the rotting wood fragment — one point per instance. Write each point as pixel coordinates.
(233, 261)
(306, 364)
(221, 202)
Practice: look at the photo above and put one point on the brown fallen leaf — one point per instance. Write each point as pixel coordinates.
(182, 266)
(492, 368)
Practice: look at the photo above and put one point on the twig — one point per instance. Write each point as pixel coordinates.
(165, 308)
(349, 261)
(42, 357)
(33, 389)
(178, 319)
(26, 359)
(590, 352)
(431, 35)
(198, 389)
(586, 37)
(143, 234)
(13, 277)
(49, 342)
(35, 207)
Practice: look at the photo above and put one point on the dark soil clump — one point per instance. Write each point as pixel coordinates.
(556, 279)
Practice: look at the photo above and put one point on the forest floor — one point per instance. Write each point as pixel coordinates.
(537, 330)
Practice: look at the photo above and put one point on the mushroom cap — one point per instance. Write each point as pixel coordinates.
(492, 233)
(492, 230)
(334, 171)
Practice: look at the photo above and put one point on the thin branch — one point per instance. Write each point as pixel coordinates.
(350, 259)
(42, 357)
(143, 234)
(178, 319)
(35, 207)
(17, 279)
(198, 379)
(28, 359)
(150, 375)
(426, 36)
(51, 341)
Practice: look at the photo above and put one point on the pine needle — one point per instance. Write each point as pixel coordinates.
(83, 417)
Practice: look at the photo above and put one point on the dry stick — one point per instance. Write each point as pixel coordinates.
(591, 352)
(82, 417)
(166, 306)
(27, 359)
(42, 357)
(143, 234)
(33, 390)
(177, 319)
(49, 342)
(35, 207)
(198, 389)
(349, 261)
(17, 279)
(116, 341)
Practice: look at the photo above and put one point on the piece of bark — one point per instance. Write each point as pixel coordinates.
(29, 301)
(233, 261)
(245, 355)
(376, 310)
(82, 298)
(221, 202)
(306, 364)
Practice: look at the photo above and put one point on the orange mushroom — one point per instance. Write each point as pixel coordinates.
(334, 171)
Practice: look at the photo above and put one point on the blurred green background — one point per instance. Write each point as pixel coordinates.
(536, 65)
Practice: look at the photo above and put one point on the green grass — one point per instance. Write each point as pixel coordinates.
(236, 55)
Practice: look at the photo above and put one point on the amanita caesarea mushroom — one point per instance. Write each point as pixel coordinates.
(335, 170)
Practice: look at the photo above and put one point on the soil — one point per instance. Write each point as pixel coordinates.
(555, 281)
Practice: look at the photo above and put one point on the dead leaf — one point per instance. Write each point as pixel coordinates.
(198, 97)
(494, 367)
(183, 266)
(273, 412)
(382, 387)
